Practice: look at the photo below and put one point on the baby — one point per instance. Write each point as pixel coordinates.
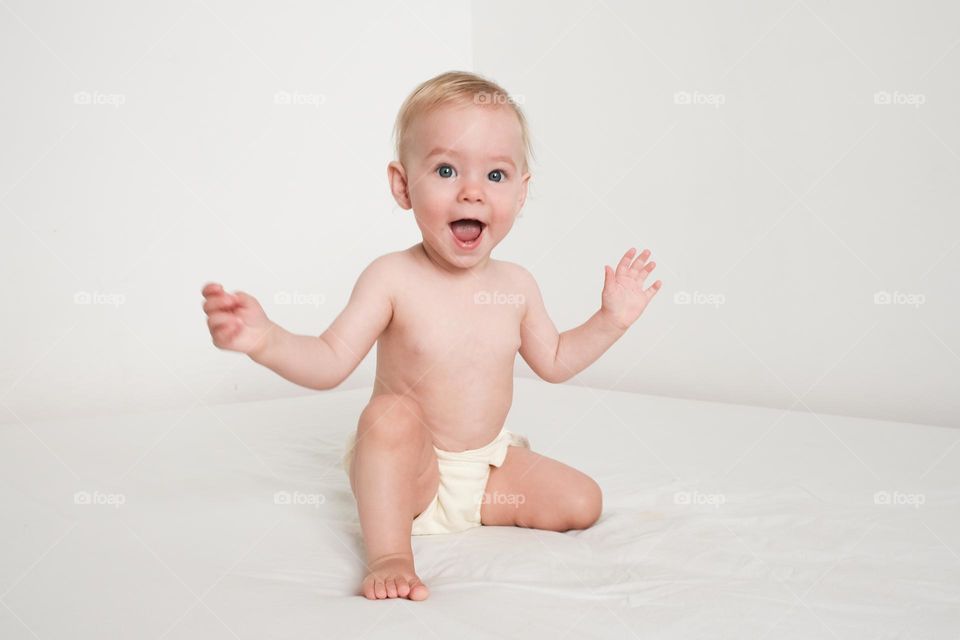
(430, 453)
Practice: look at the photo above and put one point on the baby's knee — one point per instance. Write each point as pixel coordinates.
(391, 418)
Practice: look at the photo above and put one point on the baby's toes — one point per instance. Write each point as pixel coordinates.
(391, 587)
(367, 588)
(418, 590)
(403, 587)
(380, 589)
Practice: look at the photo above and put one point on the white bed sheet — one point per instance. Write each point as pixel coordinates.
(781, 538)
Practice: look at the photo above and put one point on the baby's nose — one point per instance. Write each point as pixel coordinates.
(471, 194)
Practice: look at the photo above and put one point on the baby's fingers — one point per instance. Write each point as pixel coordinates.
(224, 334)
(642, 273)
(221, 318)
(624, 263)
(640, 262)
(212, 289)
(219, 302)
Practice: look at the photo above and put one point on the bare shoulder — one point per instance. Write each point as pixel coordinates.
(515, 274)
(391, 265)
(379, 278)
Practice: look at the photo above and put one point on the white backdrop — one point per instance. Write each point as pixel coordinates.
(785, 161)
(777, 191)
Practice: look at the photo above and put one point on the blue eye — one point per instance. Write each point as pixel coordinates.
(445, 171)
(496, 175)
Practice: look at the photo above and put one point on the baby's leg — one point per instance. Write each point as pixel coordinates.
(534, 491)
(394, 476)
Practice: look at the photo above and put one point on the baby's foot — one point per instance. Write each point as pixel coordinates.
(392, 576)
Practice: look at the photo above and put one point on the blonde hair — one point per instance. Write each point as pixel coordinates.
(456, 87)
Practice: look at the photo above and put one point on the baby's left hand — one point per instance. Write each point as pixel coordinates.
(624, 298)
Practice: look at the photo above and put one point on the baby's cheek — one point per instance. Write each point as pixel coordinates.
(505, 217)
(435, 205)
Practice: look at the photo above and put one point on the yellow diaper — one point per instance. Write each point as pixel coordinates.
(463, 478)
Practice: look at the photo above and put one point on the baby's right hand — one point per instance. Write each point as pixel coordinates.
(236, 321)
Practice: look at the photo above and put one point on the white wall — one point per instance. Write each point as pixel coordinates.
(796, 200)
(199, 175)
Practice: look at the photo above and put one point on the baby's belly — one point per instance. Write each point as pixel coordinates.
(464, 406)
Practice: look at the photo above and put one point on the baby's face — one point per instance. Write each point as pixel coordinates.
(464, 164)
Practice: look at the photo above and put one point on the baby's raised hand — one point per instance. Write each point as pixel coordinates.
(624, 298)
(236, 321)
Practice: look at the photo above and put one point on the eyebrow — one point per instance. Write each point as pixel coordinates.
(450, 152)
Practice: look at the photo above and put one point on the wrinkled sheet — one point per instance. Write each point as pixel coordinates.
(720, 521)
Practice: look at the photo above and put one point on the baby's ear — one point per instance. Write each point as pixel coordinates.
(397, 177)
(524, 183)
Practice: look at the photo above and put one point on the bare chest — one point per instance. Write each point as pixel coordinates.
(472, 325)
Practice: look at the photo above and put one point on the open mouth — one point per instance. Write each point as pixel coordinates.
(467, 232)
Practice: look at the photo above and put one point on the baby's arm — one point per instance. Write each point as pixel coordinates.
(317, 362)
(557, 357)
